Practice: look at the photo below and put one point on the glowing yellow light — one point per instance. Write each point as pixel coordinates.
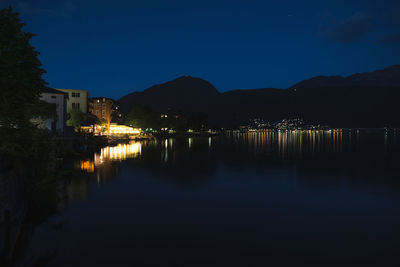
(123, 129)
(87, 165)
(120, 152)
(190, 142)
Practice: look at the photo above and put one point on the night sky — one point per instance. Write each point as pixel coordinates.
(112, 48)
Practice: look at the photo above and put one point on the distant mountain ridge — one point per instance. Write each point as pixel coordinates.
(183, 93)
(387, 77)
(359, 100)
(181, 84)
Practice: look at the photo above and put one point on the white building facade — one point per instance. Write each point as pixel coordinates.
(60, 100)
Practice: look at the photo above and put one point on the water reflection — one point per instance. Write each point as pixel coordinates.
(190, 141)
(77, 189)
(118, 153)
(230, 149)
(87, 165)
(216, 187)
(277, 144)
(103, 166)
(294, 143)
(164, 153)
(201, 156)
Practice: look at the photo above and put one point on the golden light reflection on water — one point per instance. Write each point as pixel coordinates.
(277, 144)
(112, 153)
(87, 165)
(119, 152)
(292, 142)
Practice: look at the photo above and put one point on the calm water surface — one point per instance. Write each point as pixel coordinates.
(258, 199)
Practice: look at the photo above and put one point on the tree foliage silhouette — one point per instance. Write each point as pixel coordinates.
(142, 117)
(21, 82)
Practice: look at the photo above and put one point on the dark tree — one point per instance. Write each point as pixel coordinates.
(197, 121)
(76, 118)
(142, 117)
(21, 82)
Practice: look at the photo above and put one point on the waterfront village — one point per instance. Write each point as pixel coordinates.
(77, 112)
(101, 117)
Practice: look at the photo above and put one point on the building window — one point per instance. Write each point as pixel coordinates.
(53, 96)
(103, 112)
(75, 94)
(97, 112)
(104, 105)
(75, 105)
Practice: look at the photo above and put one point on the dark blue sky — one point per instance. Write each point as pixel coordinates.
(112, 48)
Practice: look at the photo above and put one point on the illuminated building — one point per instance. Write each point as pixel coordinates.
(104, 109)
(113, 130)
(116, 129)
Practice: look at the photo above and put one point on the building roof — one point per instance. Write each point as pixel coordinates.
(49, 90)
(71, 90)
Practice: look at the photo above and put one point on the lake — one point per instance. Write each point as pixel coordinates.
(325, 198)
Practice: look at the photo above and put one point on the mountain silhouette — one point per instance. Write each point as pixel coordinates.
(387, 77)
(184, 93)
(359, 100)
